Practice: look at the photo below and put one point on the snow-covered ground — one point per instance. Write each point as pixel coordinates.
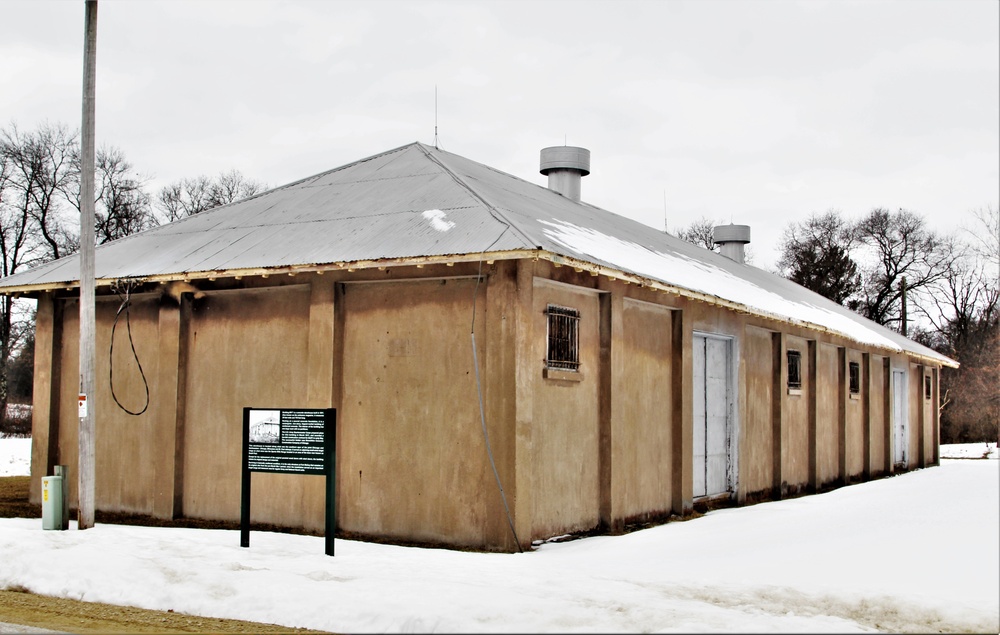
(15, 456)
(916, 552)
(969, 451)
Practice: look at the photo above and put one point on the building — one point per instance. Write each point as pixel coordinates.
(619, 374)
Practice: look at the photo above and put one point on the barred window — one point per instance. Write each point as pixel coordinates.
(794, 369)
(855, 377)
(563, 350)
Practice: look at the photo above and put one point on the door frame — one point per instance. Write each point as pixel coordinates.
(732, 422)
(900, 424)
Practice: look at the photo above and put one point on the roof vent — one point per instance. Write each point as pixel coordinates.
(565, 166)
(731, 239)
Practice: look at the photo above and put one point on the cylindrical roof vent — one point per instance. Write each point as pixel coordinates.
(731, 239)
(565, 166)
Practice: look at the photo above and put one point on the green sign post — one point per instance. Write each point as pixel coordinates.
(290, 441)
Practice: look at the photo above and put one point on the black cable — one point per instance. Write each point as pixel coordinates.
(126, 301)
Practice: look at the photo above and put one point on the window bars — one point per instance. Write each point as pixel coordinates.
(563, 350)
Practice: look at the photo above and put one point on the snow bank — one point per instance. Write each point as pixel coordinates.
(15, 456)
(970, 451)
(916, 552)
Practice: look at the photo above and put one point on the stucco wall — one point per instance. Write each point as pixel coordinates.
(854, 421)
(756, 457)
(915, 403)
(124, 482)
(642, 451)
(395, 358)
(827, 414)
(927, 404)
(245, 349)
(879, 423)
(795, 431)
(412, 460)
(565, 488)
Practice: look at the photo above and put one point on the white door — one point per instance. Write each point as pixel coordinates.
(713, 443)
(899, 437)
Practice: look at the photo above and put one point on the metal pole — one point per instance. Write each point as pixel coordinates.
(903, 318)
(85, 510)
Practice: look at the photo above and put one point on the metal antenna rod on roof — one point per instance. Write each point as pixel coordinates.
(436, 117)
(666, 229)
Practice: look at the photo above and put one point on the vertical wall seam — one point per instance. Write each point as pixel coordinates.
(813, 348)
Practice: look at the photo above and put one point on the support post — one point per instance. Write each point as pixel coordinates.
(779, 380)
(843, 395)
(813, 354)
(87, 465)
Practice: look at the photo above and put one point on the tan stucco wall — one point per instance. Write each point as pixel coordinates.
(245, 349)
(395, 358)
(795, 431)
(642, 449)
(827, 413)
(855, 430)
(125, 481)
(565, 488)
(412, 460)
(879, 423)
(69, 388)
(915, 404)
(757, 444)
(927, 404)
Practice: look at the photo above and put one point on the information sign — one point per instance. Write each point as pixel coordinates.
(289, 441)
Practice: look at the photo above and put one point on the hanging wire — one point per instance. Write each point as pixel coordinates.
(123, 288)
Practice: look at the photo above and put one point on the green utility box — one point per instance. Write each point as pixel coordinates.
(52, 502)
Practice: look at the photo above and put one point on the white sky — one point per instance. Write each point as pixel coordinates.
(755, 112)
(910, 554)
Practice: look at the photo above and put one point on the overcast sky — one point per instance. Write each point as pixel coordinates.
(757, 112)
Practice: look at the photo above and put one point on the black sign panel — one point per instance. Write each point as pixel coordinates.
(290, 441)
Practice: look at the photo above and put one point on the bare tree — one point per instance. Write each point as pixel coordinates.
(190, 196)
(122, 205)
(817, 255)
(964, 309)
(42, 174)
(232, 186)
(900, 245)
(700, 232)
(32, 178)
(986, 236)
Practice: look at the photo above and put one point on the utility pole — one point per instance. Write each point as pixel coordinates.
(902, 287)
(86, 468)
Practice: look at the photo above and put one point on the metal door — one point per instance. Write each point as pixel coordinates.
(712, 464)
(899, 428)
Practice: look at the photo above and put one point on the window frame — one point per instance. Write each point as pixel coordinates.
(794, 379)
(854, 378)
(562, 338)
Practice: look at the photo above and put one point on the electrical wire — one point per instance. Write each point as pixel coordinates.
(126, 301)
(482, 411)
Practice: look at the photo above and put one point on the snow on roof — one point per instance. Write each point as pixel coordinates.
(711, 279)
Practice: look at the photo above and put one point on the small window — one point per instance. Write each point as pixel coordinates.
(854, 372)
(927, 387)
(794, 370)
(563, 338)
